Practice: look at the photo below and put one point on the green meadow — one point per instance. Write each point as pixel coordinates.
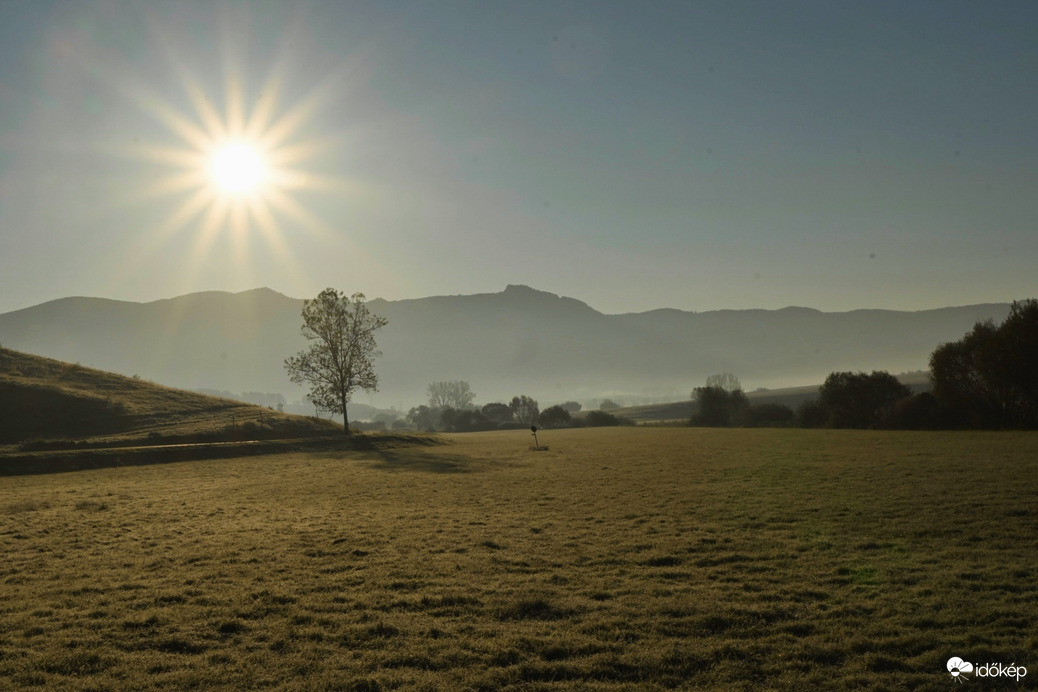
(618, 558)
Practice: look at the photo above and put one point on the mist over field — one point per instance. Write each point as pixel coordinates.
(520, 340)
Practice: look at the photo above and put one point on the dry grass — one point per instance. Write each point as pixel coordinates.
(617, 559)
(48, 404)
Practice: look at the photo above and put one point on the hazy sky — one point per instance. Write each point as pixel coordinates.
(634, 155)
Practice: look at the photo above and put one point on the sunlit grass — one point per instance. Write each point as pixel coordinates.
(617, 559)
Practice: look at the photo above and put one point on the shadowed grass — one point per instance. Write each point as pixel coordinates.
(48, 405)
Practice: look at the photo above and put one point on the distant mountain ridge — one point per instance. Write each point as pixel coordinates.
(520, 340)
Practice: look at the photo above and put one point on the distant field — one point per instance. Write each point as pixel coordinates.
(620, 558)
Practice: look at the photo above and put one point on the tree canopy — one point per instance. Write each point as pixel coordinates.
(718, 408)
(497, 412)
(726, 381)
(423, 417)
(554, 417)
(525, 409)
(989, 378)
(857, 400)
(339, 359)
(454, 394)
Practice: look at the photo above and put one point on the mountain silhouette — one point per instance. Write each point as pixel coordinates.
(520, 340)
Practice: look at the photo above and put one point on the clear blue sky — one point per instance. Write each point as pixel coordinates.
(634, 155)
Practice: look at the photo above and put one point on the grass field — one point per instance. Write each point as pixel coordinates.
(620, 558)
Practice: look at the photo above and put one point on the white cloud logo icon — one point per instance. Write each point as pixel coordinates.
(957, 667)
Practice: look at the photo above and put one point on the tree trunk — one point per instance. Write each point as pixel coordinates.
(345, 419)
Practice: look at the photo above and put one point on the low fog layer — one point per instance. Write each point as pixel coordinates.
(519, 341)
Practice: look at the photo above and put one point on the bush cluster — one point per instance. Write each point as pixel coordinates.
(988, 379)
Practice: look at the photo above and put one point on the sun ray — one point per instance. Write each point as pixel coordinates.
(207, 114)
(316, 182)
(286, 206)
(190, 209)
(170, 185)
(235, 112)
(189, 133)
(267, 225)
(306, 150)
(290, 123)
(212, 124)
(263, 111)
(239, 221)
(234, 99)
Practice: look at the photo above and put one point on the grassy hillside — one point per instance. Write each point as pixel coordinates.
(619, 559)
(45, 402)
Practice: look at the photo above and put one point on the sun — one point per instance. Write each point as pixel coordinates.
(240, 170)
(237, 168)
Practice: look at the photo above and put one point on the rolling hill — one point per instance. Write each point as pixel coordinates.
(45, 403)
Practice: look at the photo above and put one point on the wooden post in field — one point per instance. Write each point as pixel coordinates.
(536, 444)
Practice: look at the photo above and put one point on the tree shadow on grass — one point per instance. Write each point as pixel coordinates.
(419, 460)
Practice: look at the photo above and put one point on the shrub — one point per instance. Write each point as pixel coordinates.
(811, 414)
(918, 412)
(598, 419)
(458, 420)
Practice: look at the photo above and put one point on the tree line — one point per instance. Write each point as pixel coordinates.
(986, 380)
(451, 409)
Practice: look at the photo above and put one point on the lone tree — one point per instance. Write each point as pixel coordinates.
(341, 332)
(454, 394)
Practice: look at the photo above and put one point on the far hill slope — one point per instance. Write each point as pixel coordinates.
(48, 400)
(518, 341)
